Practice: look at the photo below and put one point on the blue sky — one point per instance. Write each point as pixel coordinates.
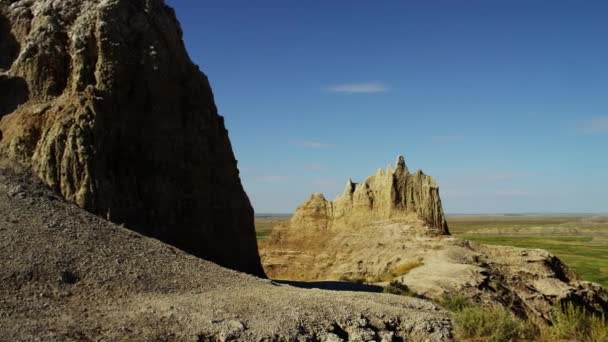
(505, 103)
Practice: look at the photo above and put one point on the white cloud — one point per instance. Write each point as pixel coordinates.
(359, 88)
(311, 144)
(596, 125)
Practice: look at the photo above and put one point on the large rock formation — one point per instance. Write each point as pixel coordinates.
(390, 194)
(68, 275)
(392, 228)
(101, 100)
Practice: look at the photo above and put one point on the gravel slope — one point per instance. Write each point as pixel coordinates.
(69, 275)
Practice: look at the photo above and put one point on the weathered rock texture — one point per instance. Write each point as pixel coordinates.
(101, 100)
(388, 194)
(370, 234)
(68, 275)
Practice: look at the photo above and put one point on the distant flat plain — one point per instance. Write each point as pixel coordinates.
(581, 241)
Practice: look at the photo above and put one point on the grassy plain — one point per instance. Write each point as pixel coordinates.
(580, 241)
(265, 222)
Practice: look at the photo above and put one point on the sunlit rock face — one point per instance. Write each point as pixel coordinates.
(301, 248)
(101, 100)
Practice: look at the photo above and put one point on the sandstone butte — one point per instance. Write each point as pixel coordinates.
(101, 100)
(391, 227)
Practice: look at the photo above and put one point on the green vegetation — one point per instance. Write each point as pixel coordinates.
(474, 322)
(581, 242)
(572, 323)
(455, 303)
(265, 223)
(478, 323)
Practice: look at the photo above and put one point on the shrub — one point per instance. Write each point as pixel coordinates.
(398, 289)
(571, 322)
(455, 303)
(489, 324)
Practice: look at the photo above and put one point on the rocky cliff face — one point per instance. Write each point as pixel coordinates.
(387, 195)
(391, 228)
(101, 100)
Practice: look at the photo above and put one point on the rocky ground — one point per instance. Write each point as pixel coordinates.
(69, 275)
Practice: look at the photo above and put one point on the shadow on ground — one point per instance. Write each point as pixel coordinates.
(331, 285)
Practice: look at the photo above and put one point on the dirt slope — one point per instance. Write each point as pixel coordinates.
(70, 275)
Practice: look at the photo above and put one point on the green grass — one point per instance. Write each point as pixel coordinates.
(581, 242)
(491, 324)
(474, 322)
(264, 225)
(574, 324)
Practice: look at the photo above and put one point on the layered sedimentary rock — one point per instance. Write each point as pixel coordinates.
(391, 228)
(101, 100)
(388, 194)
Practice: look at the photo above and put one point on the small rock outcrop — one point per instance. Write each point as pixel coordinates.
(100, 99)
(392, 228)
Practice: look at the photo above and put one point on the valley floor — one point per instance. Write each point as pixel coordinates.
(580, 241)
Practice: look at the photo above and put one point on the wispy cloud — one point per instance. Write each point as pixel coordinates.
(311, 144)
(359, 88)
(596, 125)
(447, 138)
(272, 179)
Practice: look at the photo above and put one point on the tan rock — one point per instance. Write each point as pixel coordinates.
(388, 194)
(101, 100)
